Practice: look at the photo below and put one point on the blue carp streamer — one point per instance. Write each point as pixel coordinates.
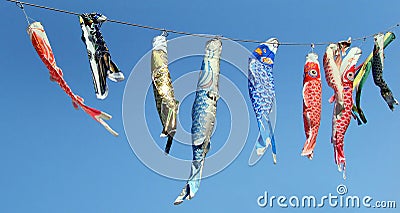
(262, 94)
(203, 116)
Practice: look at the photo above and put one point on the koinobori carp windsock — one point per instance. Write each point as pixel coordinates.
(362, 75)
(377, 71)
(262, 95)
(341, 120)
(203, 116)
(167, 106)
(42, 46)
(99, 57)
(312, 94)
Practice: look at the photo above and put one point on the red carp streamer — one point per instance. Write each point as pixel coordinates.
(312, 94)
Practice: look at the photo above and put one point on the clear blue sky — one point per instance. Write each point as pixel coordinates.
(56, 159)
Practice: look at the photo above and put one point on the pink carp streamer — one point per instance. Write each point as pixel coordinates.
(42, 46)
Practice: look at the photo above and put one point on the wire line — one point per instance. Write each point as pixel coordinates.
(195, 34)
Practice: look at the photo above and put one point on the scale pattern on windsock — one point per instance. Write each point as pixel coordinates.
(312, 95)
(203, 116)
(262, 95)
(341, 120)
(377, 71)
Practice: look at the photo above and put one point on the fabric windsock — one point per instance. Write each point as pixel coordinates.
(312, 98)
(99, 57)
(167, 105)
(262, 95)
(203, 116)
(341, 120)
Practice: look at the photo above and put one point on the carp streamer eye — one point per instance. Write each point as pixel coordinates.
(313, 73)
(350, 76)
